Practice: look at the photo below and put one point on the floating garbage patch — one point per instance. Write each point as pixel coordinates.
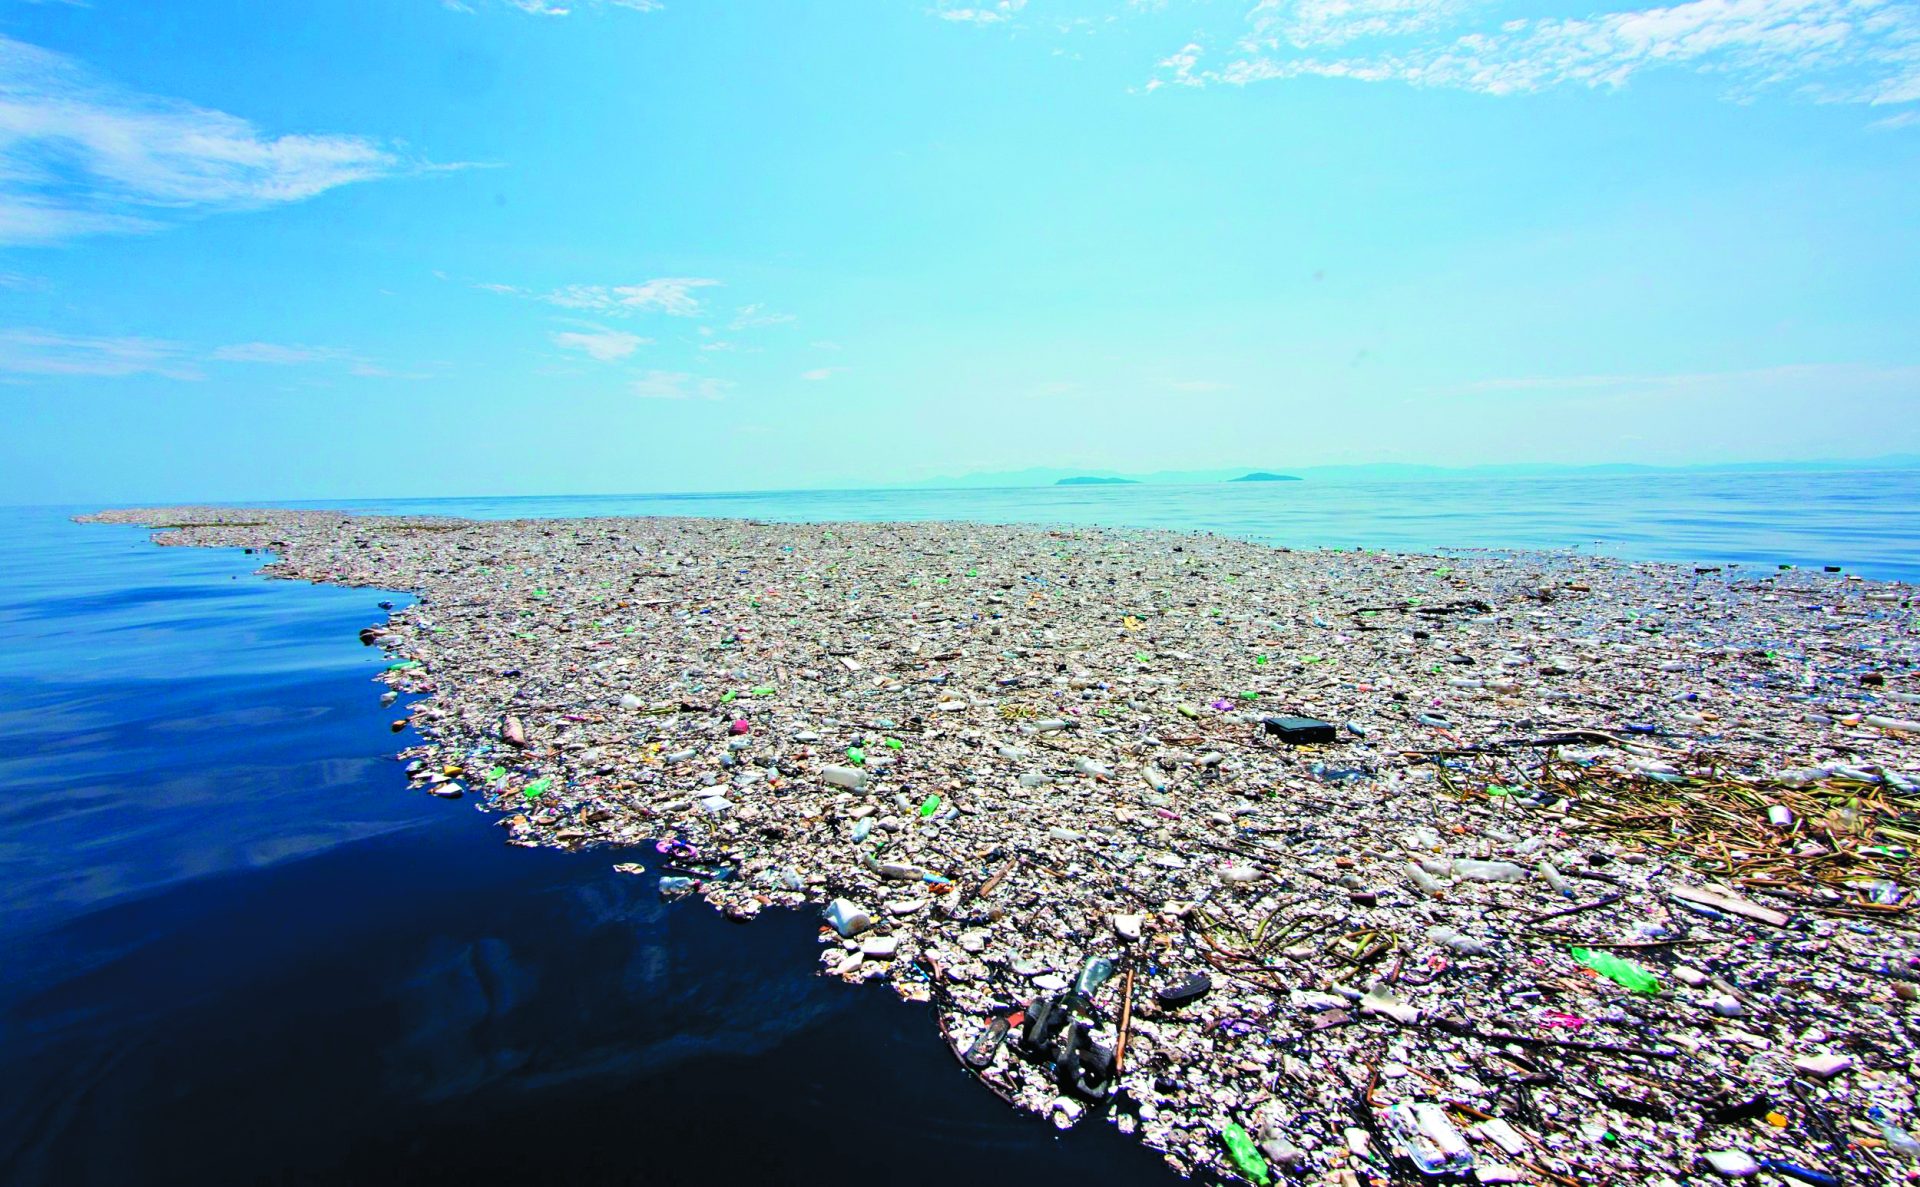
(1331, 867)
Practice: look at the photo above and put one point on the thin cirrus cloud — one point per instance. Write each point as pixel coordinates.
(678, 385)
(984, 14)
(1858, 51)
(673, 295)
(79, 157)
(757, 315)
(606, 346)
(544, 8)
(45, 354)
(278, 354)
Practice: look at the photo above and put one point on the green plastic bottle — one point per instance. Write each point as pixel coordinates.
(1246, 1157)
(1623, 972)
(930, 805)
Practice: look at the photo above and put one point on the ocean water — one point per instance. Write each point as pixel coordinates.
(1866, 520)
(240, 950)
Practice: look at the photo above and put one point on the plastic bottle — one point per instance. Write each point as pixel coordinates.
(1426, 882)
(1097, 971)
(1552, 878)
(1244, 1155)
(851, 778)
(1488, 871)
(845, 918)
(1897, 1139)
(1622, 972)
(1429, 1140)
(1454, 940)
(930, 805)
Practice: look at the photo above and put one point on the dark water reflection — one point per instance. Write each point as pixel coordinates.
(239, 950)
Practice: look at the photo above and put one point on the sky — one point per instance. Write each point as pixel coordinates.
(378, 248)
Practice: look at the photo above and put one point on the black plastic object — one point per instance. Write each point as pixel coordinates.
(1045, 1018)
(1192, 989)
(1299, 731)
(1082, 1066)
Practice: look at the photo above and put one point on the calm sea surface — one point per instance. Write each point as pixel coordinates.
(238, 949)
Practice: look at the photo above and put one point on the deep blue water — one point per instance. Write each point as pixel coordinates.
(239, 949)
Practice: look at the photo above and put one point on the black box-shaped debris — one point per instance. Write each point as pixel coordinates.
(1299, 731)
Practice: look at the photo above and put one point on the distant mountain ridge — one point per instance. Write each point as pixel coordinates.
(1388, 471)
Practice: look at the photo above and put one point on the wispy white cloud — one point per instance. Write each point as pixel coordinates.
(56, 353)
(277, 354)
(819, 373)
(985, 14)
(678, 385)
(599, 343)
(546, 8)
(1865, 51)
(1309, 23)
(1905, 119)
(675, 295)
(749, 317)
(79, 157)
(49, 353)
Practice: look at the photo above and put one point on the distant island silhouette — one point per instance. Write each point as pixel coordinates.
(1263, 476)
(1095, 482)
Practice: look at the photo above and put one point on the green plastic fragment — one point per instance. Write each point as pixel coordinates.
(1188, 711)
(1259, 661)
(1245, 1155)
(405, 665)
(535, 789)
(856, 756)
(1141, 657)
(726, 698)
(973, 572)
(895, 744)
(495, 774)
(764, 690)
(1622, 972)
(1249, 696)
(930, 805)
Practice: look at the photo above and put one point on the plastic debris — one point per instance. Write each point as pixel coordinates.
(1028, 751)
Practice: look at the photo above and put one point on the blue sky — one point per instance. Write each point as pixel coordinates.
(417, 247)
